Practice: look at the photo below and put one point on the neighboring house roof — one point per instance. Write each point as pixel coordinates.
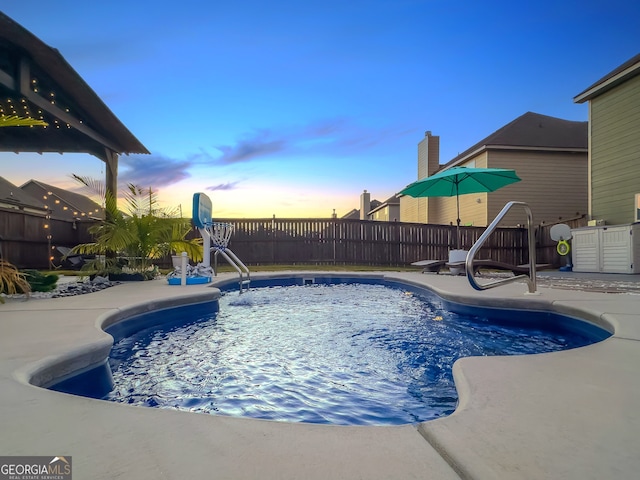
(352, 215)
(355, 213)
(624, 72)
(531, 131)
(78, 207)
(14, 197)
(31, 74)
(393, 200)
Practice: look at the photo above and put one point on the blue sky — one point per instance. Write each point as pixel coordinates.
(294, 108)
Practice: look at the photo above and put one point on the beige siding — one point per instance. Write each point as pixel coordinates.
(381, 215)
(428, 155)
(423, 158)
(615, 152)
(554, 184)
(389, 213)
(413, 210)
(472, 212)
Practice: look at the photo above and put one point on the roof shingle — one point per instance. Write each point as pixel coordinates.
(533, 131)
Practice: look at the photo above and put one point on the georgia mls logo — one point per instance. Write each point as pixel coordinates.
(35, 468)
(60, 465)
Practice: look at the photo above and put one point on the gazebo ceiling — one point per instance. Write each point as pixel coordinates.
(37, 82)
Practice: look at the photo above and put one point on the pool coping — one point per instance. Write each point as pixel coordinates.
(503, 428)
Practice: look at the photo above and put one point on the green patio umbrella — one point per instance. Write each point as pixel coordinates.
(456, 181)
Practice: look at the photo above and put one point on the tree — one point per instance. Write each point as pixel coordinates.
(141, 233)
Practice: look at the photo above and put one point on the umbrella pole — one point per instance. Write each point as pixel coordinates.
(458, 222)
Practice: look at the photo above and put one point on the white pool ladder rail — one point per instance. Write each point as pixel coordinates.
(531, 277)
(236, 263)
(215, 238)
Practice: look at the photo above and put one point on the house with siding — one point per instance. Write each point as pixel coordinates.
(614, 144)
(550, 156)
(63, 204)
(387, 211)
(13, 198)
(366, 207)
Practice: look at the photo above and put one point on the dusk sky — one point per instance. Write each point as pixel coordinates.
(293, 108)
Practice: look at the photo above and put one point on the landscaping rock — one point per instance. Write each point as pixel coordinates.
(81, 288)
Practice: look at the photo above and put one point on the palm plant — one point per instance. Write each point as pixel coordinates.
(12, 281)
(141, 233)
(15, 121)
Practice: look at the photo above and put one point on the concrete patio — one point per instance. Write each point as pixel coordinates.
(564, 415)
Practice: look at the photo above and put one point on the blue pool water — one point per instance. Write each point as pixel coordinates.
(342, 354)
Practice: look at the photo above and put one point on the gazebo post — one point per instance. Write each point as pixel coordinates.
(111, 173)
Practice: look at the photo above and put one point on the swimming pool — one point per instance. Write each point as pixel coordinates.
(320, 350)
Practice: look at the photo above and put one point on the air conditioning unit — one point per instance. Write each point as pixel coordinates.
(596, 223)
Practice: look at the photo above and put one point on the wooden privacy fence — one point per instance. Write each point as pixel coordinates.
(28, 240)
(24, 241)
(340, 241)
(546, 248)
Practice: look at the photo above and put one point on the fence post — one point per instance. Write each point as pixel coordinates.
(334, 240)
(273, 239)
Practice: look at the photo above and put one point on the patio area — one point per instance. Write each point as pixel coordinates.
(571, 414)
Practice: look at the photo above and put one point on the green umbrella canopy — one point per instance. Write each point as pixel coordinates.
(461, 180)
(456, 181)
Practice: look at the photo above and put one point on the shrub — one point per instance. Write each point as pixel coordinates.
(12, 281)
(41, 282)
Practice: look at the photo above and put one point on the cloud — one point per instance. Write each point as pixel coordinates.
(153, 170)
(336, 136)
(260, 143)
(201, 156)
(223, 186)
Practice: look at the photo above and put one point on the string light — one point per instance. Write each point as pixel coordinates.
(9, 106)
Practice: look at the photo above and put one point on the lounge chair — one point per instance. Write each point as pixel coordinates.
(73, 261)
(434, 266)
(494, 265)
(430, 265)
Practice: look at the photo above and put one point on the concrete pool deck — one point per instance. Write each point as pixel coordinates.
(572, 414)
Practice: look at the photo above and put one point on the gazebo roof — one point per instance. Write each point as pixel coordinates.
(36, 81)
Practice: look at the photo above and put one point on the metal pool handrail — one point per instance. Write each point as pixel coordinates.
(531, 278)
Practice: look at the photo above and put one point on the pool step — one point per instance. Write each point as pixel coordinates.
(246, 282)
